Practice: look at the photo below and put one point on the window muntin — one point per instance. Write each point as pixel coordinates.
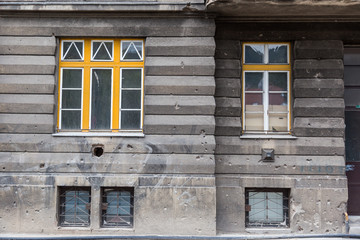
(105, 104)
(117, 207)
(74, 206)
(266, 88)
(267, 207)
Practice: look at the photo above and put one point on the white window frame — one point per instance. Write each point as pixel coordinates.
(131, 60)
(90, 95)
(61, 95)
(102, 60)
(72, 60)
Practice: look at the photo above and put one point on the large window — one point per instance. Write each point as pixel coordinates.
(101, 85)
(267, 207)
(266, 88)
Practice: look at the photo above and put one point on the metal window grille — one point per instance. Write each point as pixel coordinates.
(267, 207)
(74, 206)
(117, 207)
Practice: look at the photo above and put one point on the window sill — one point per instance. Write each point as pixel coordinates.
(267, 136)
(99, 134)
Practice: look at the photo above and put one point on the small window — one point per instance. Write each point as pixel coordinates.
(267, 207)
(74, 206)
(266, 88)
(101, 86)
(117, 207)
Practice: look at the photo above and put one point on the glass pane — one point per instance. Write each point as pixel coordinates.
(131, 78)
(254, 121)
(254, 81)
(102, 50)
(70, 119)
(275, 207)
(71, 99)
(72, 50)
(253, 99)
(130, 119)
(131, 99)
(277, 99)
(257, 201)
(101, 99)
(278, 81)
(138, 46)
(254, 53)
(129, 52)
(72, 78)
(278, 122)
(352, 133)
(278, 53)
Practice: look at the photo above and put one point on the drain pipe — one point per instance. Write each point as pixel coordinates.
(242, 237)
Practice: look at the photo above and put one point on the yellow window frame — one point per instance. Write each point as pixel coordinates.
(87, 64)
(266, 67)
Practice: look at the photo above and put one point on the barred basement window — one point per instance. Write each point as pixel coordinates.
(117, 207)
(74, 206)
(267, 207)
(101, 85)
(266, 87)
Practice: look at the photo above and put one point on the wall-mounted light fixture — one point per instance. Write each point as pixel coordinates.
(267, 155)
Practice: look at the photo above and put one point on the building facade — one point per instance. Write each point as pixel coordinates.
(178, 119)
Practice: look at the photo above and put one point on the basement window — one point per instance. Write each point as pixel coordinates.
(267, 207)
(74, 206)
(117, 207)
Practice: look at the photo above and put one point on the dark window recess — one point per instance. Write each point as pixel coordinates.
(74, 208)
(117, 207)
(267, 207)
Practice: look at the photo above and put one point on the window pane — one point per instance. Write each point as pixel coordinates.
(72, 50)
(278, 122)
(131, 78)
(102, 50)
(253, 101)
(277, 99)
(131, 50)
(74, 207)
(254, 53)
(131, 99)
(254, 81)
(257, 201)
(130, 119)
(71, 99)
(275, 209)
(278, 81)
(72, 78)
(278, 53)
(70, 119)
(254, 121)
(101, 99)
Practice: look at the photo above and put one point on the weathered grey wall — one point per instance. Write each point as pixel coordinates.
(171, 168)
(312, 165)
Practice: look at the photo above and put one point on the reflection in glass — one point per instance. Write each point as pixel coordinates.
(72, 78)
(130, 119)
(253, 99)
(277, 99)
(254, 53)
(254, 81)
(102, 50)
(131, 50)
(278, 81)
(70, 119)
(131, 78)
(72, 50)
(278, 53)
(101, 98)
(131, 99)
